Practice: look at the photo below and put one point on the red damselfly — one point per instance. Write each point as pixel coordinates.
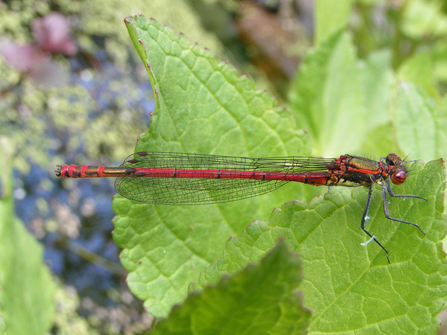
(165, 178)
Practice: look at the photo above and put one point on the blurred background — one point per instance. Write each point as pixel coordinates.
(73, 90)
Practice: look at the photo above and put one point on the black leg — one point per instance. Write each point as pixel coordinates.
(385, 205)
(391, 192)
(373, 238)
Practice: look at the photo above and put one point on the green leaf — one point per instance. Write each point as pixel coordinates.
(352, 106)
(330, 17)
(26, 287)
(260, 299)
(439, 54)
(202, 107)
(350, 288)
(2, 325)
(421, 18)
(341, 100)
(420, 125)
(419, 69)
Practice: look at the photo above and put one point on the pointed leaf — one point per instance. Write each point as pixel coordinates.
(202, 107)
(419, 69)
(330, 17)
(421, 127)
(422, 18)
(26, 287)
(339, 99)
(260, 299)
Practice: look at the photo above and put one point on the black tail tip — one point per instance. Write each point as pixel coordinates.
(58, 170)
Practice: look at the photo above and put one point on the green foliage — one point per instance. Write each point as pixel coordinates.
(2, 325)
(202, 107)
(330, 17)
(388, 99)
(205, 107)
(346, 104)
(27, 289)
(328, 99)
(421, 18)
(419, 69)
(421, 127)
(260, 299)
(341, 100)
(350, 288)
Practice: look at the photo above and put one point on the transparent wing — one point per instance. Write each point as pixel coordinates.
(197, 191)
(179, 191)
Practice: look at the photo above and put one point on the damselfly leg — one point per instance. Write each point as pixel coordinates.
(386, 189)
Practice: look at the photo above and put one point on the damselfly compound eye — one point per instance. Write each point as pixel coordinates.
(398, 177)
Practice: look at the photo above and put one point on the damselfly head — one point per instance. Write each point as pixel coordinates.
(393, 159)
(396, 169)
